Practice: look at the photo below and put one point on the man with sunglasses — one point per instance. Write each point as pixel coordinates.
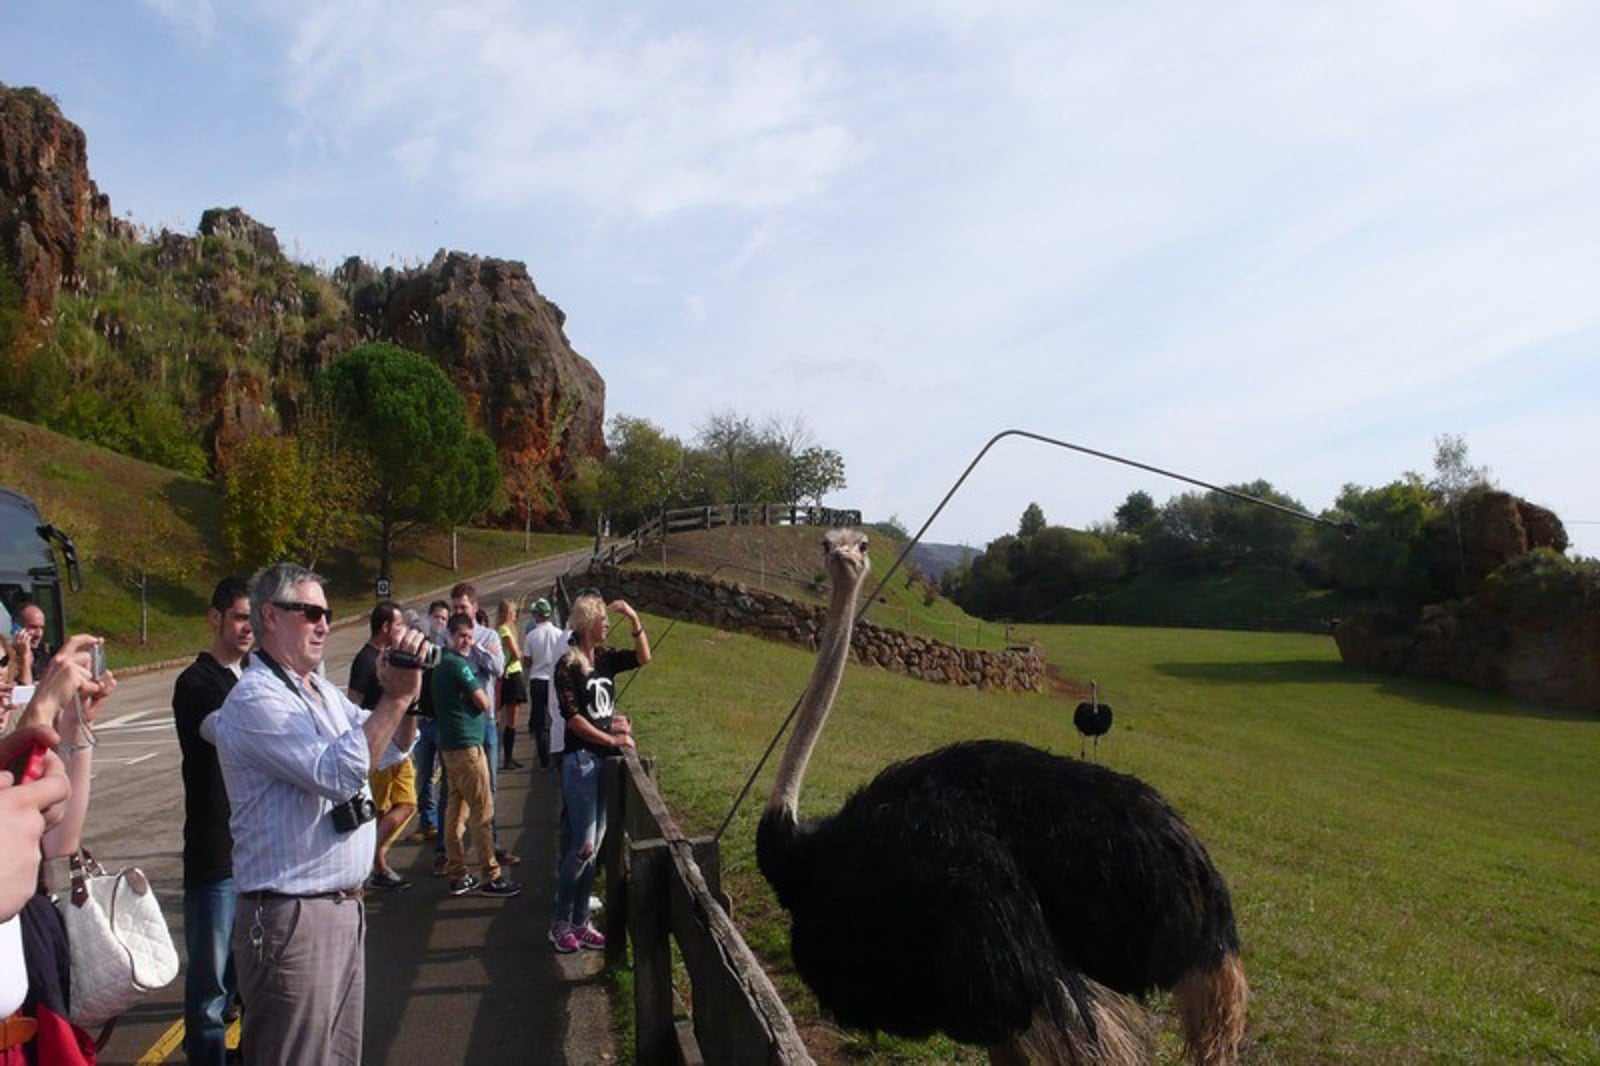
(295, 755)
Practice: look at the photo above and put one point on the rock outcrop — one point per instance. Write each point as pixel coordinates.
(1528, 626)
(504, 346)
(223, 327)
(47, 199)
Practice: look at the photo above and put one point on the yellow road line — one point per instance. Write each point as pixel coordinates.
(169, 1042)
(172, 1039)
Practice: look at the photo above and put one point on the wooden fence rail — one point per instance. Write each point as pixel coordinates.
(667, 887)
(684, 519)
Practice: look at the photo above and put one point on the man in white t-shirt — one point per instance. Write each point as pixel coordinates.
(542, 647)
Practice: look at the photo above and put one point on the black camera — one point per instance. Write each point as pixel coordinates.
(353, 813)
(424, 658)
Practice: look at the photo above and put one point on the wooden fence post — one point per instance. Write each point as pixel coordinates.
(655, 1035)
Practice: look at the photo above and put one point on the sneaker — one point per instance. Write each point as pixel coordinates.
(500, 887)
(511, 764)
(387, 878)
(590, 937)
(564, 939)
(441, 865)
(506, 858)
(460, 886)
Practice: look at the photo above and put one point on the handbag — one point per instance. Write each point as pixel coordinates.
(118, 940)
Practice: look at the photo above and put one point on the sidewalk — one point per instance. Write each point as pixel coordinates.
(474, 979)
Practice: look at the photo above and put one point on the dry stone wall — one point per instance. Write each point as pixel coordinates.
(736, 608)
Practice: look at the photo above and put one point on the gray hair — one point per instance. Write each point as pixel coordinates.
(273, 583)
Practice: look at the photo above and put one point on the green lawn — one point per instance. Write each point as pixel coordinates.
(1414, 865)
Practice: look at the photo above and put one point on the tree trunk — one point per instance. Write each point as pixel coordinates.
(144, 610)
(455, 558)
(385, 546)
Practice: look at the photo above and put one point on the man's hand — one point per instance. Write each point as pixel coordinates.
(399, 680)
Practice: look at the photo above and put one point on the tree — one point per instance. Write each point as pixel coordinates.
(644, 470)
(1032, 523)
(814, 473)
(1137, 514)
(426, 464)
(1453, 479)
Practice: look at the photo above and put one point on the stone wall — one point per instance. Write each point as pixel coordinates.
(738, 609)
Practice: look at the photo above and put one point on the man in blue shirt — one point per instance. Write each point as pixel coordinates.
(295, 755)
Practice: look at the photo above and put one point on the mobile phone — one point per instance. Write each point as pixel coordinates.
(29, 766)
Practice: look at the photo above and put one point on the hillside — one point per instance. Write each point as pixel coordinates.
(788, 560)
(123, 513)
(171, 347)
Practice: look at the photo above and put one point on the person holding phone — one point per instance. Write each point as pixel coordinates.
(59, 745)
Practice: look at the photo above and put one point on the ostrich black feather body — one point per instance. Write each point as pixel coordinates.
(960, 890)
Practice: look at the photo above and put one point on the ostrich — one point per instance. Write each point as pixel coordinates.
(1092, 719)
(1002, 895)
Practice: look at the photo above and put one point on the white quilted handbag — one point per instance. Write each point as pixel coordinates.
(121, 949)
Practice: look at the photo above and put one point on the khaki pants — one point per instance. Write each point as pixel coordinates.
(471, 808)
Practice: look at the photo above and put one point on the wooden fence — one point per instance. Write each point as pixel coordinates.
(667, 889)
(683, 519)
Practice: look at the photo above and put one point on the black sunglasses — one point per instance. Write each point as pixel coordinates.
(314, 612)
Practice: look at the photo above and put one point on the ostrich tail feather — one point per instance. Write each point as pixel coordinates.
(1212, 1006)
(1116, 1032)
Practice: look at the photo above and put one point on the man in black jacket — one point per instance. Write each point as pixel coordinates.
(208, 890)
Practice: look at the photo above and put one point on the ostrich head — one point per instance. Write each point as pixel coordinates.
(845, 557)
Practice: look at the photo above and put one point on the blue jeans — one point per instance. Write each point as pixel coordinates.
(208, 908)
(426, 755)
(583, 826)
(491, 751)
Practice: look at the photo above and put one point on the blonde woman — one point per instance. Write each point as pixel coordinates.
(586, 695)
(513, 683)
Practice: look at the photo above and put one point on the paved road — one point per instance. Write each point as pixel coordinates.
(449, 980)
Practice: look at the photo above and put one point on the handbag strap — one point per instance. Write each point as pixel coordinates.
(83, 866)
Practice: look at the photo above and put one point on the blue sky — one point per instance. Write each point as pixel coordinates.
(1236, 240)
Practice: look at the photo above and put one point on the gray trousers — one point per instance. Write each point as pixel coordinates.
(302, 979)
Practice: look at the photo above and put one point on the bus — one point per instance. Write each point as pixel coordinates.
(30, 571)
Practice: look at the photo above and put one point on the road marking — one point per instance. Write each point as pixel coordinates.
(140, 759)
(163, 1047)
(172, 1039)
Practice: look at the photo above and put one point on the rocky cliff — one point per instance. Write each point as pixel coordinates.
(1527, 621)
(47, 201)
(222, 327)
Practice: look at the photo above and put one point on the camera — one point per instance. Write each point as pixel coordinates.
(353, 813)
(424, 658)
(97, 662)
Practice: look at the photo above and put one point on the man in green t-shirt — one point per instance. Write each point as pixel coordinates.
(459, 703)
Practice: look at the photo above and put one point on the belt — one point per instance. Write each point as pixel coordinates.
(16, 1031)
(338, 896)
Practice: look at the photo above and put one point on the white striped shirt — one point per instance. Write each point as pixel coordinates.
(288, 759)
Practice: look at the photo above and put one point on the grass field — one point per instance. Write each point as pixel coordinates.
(1414, 865)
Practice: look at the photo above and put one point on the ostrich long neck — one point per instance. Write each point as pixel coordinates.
(820, 693)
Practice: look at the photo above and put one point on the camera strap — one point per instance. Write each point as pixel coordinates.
(317, 719)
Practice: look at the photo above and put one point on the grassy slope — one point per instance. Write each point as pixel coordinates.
(96, 495)
(788, 560)
(1412, 864)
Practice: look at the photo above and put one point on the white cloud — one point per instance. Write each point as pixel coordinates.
(615, 118)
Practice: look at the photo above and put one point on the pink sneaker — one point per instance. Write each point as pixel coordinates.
(590, 937)
(563, 937)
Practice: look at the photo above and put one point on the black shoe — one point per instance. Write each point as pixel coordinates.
(387, 879)
(501, 887)
(506, 858)
(462, 885)
(511, 764)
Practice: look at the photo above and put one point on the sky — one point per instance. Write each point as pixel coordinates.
(1234, 240)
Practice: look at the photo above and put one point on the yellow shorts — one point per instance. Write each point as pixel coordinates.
(394, 786)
